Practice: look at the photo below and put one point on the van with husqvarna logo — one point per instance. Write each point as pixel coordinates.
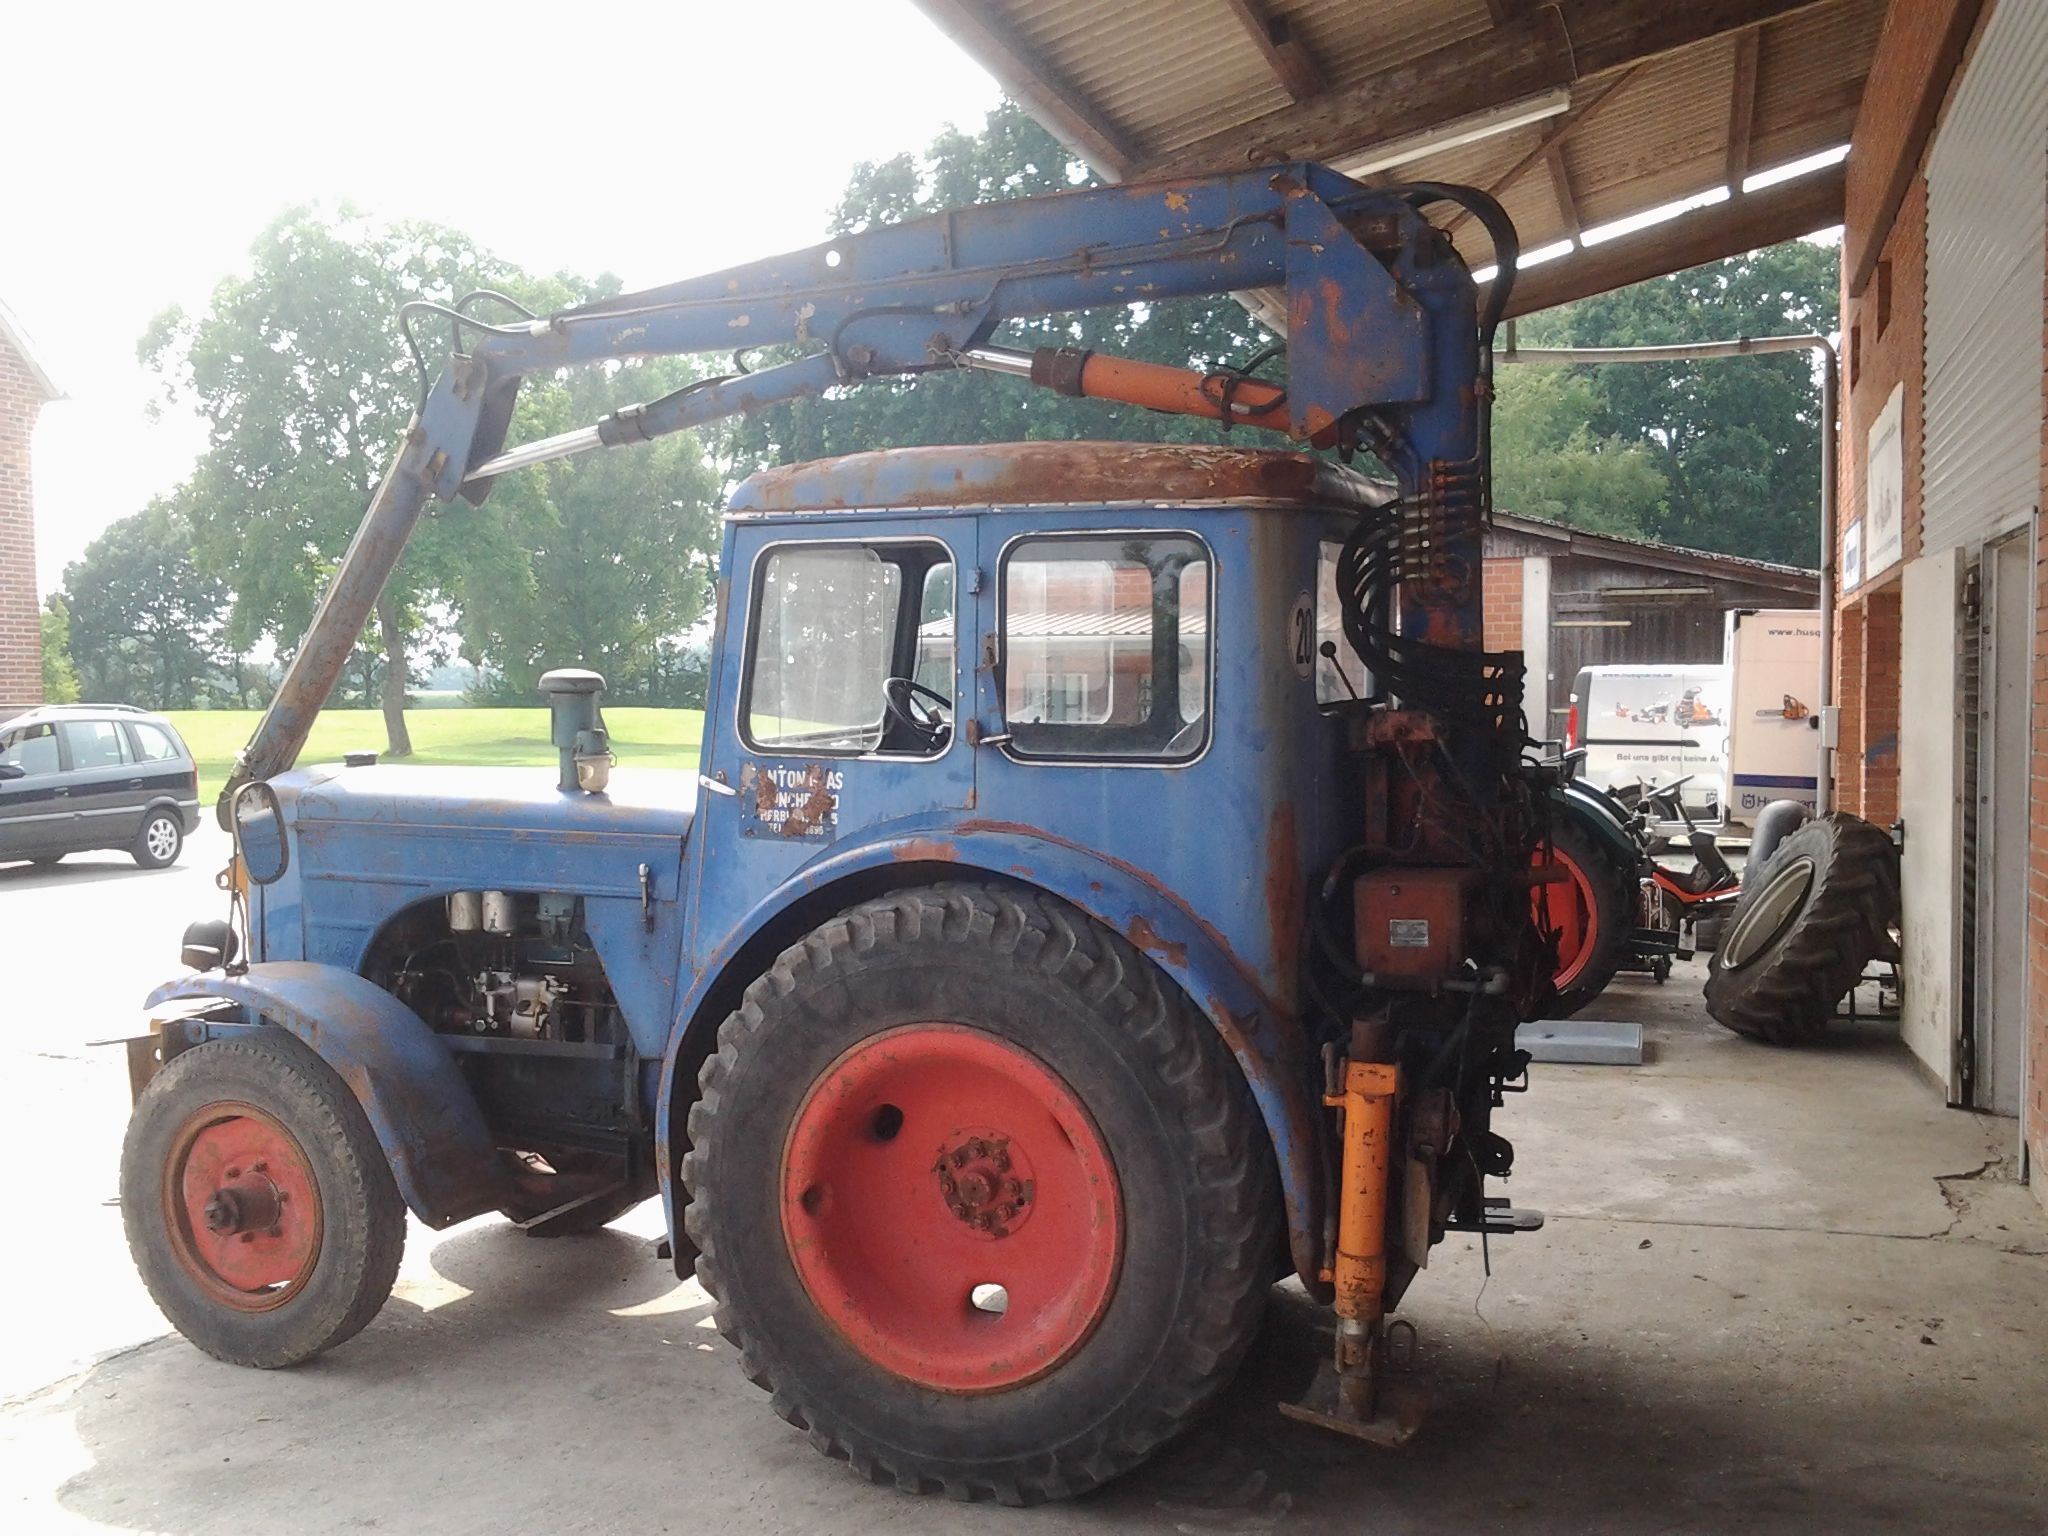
(1653, 724)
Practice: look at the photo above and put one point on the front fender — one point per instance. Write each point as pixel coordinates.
(441, 1153)
(1270, 1049)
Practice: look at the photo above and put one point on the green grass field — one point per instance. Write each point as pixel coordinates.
(659, 738)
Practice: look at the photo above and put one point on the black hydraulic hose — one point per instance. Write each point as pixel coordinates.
(1500, 229)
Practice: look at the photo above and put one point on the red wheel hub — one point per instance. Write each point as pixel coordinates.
(242, 1206)
(1568, 908)
(951, 1208)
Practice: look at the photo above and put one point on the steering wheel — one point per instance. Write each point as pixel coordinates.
(924, 712)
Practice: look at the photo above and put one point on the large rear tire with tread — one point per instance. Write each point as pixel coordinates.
(1802, 933)
(1591, 910)
(968, 1089)
(258, 1205)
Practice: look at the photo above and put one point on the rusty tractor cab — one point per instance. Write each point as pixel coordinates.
(1106, 885)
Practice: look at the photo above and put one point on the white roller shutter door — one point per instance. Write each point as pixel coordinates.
(1987, 189)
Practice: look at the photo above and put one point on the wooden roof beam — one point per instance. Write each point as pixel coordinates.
(1019, 70)
(1561, 185)
(1533, 52)
(1553, 139)
(1741, 224)
(1742, 109)
(1285, 53)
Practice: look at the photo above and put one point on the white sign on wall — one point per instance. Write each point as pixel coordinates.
(1852, 555)
(1884, 481)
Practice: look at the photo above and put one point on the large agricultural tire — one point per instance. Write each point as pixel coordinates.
(985, 1204)
(258, 1205)
(1801, 934)
(1591, 911)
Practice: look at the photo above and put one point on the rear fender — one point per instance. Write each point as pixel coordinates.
(442, 1155)
(1270, 1050)
(1603, 818)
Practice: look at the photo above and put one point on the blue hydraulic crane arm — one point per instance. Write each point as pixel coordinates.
(1385, 347)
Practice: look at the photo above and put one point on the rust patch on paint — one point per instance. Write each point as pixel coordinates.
(1286, 898)
(1141, 933)
(925, 850)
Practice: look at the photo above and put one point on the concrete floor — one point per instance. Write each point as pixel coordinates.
(1779, 1292)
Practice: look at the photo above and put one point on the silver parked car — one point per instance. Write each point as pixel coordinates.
(81, 776)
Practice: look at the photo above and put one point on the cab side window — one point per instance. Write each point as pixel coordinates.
(32, 749)
(94, 743)
(1106, 647)
(851, 650)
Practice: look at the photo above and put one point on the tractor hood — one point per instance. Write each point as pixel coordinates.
(644, 802)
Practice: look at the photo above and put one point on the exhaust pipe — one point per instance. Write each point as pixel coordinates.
(574, 695)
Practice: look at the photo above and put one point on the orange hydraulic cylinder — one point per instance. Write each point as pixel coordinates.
(1360, 1270)
(1103, 376)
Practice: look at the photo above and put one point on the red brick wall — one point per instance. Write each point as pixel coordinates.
(21, 646)
(1883, 347)
(1916, 54)
(1502, 591)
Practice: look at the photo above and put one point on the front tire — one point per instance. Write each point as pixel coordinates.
(159, 842)
(1026, 1210)
(258, 1205)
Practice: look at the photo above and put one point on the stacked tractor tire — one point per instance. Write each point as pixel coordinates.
(1815, 911)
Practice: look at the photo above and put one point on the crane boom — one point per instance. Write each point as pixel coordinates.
(1388, 349)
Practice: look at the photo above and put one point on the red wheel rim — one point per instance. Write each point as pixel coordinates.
(1567, 908)
(931, 1163)
(242, 1206)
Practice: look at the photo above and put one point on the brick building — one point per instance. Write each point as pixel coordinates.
(25, 387)
(1944, 609)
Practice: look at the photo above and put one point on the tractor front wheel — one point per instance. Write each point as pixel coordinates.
(985, 1204)
(258, 1205)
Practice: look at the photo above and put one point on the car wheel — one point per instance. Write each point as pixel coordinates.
(159, 842)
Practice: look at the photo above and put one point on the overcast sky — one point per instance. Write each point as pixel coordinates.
(148, 144)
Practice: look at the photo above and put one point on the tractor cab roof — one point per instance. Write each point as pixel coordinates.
(1062, 474)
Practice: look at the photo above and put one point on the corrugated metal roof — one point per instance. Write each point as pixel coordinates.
(1678, 557)
(1159, 76)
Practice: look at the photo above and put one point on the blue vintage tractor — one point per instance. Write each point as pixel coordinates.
(1106, 888)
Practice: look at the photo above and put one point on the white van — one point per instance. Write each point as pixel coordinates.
(1774, 732)
(1644, 724)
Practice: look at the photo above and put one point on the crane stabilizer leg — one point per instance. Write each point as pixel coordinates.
(1356, 1398)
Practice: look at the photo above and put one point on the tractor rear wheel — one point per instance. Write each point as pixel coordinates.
(1590, 910)
(258, 1204)
(1025, 1210)
(1801, 934)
